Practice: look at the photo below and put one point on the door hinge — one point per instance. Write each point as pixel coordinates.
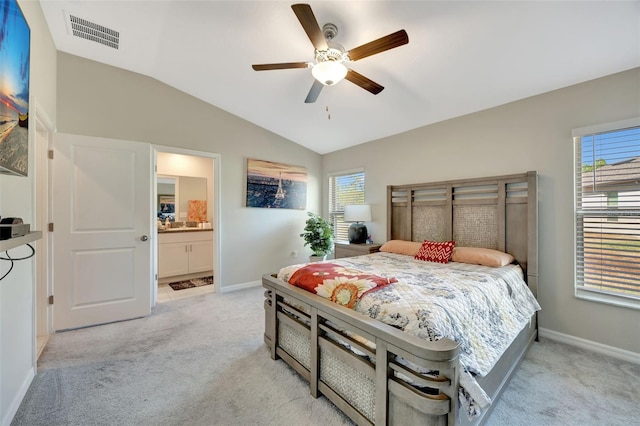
(51, 299)
(51, 227)
(50, 154)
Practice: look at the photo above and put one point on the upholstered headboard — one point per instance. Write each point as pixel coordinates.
(498, 212)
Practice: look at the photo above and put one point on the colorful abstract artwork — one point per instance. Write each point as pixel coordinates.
(197, 211)
(14, 89)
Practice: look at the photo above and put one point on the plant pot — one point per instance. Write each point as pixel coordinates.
(316, 258)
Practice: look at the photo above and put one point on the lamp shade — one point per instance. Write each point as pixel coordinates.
(357, 213)
(329, 72)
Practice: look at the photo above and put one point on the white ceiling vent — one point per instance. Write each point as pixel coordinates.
(88, 30)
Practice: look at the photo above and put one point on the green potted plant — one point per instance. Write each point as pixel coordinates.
(318, 235)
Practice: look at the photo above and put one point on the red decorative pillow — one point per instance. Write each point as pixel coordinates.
(433, 251)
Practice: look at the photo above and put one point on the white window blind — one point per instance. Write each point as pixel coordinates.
(344, 189)
(607, 206)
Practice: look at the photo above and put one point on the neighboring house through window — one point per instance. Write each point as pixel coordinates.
(345, 189)
(607, 213)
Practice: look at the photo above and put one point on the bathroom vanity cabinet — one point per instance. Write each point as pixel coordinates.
(184, 252)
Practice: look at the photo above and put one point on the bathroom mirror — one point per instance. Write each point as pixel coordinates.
(174, 193)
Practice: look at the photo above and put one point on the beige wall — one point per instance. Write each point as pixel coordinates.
(531, 134)
(17, 363)
(100, 100)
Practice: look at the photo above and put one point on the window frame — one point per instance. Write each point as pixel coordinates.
(334, 213)
(580, 291)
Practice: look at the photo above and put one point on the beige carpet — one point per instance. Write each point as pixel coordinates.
(202, 361)
(558, 384)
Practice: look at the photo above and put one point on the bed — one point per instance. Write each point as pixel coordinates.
(371, 369)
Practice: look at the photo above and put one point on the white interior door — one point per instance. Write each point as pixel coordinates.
(102, 230)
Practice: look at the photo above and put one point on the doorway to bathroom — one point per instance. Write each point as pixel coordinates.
(186, 194)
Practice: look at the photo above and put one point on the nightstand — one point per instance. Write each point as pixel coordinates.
(346, 249)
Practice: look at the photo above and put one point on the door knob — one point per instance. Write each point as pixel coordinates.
(144, 238)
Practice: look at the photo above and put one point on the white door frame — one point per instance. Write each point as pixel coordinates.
(217, 230)
(41, 131)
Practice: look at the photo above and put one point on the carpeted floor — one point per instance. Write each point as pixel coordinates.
(558, 384)
(202, 361)
(194, 282)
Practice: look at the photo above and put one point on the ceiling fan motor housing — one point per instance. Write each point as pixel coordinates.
(335, 52)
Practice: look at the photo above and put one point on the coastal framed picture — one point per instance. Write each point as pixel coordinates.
(275, 185)
(14, 89)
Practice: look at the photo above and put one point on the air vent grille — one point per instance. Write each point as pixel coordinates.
(91, 31)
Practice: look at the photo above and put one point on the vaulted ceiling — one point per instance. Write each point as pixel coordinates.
(462, 56)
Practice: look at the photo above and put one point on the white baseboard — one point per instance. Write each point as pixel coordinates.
(17, 400)
(241, 286)
(590, 345)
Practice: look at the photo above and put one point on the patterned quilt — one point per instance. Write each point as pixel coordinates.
(482, 308)
(341, 285)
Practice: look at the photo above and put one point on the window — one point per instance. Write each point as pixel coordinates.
(344, 189)
(607, 208)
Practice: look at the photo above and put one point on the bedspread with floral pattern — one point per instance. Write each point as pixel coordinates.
(341, 285)
(481, 308)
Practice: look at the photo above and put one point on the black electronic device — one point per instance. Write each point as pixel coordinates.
(11, 227)
(11, 220)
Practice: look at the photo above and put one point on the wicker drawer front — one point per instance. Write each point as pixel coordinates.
(295, 344)
(352, 385)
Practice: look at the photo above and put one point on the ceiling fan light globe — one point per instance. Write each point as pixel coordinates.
(329, 72)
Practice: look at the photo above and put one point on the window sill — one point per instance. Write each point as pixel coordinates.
(608, 298)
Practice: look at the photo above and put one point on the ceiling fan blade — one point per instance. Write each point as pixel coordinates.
(314, 92)
(390, 41)
(282, 66)
(310, 24)
(362, 81)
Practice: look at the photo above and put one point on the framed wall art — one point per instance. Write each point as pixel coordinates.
(15, 38)
(276, 185)
(167, 207)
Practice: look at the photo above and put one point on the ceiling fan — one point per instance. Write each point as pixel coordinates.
(330, 58)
